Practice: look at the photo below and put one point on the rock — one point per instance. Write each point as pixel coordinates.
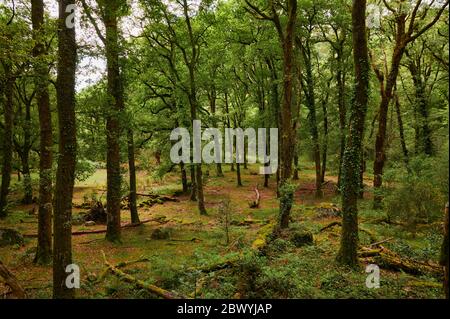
(327, 210)
(89, 223)
(300, 238)
(77, 219)
(97, 213)
(10, 236)
(161, 233)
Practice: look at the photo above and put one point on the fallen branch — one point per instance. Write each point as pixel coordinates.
(332, 224)
(194, 240)
(381, 241)
(139, 283)
(101, 231)
(11, 281)
(124, 264)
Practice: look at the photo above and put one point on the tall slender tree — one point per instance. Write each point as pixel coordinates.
(44, 246)
(65, 175)
(286, 37)
(353, 150)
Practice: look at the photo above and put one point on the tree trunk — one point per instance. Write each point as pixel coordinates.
(193, 184)
(311, 104)
(132, 172)
(325, 133)
(27, 187)
(352, 156)
(184, 181)
(44, 242)
(445, 253)
(285, 127)
(65, 175)
(201, 198)
(386, 95)
(113, 127)
(7, 139)
(401, 130)
(342, 115)
(424, 131)
(295, 176)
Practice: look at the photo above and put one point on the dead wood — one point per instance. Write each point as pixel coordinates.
(332, 224)
(388, 259)
(139, 283)
(101, 231)
(11, 281)
(255, 203)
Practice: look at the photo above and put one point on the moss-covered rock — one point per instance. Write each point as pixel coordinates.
(301, 237)
(10, 236)
(161, 233)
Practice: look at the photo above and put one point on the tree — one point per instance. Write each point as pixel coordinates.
(353, 150)
(65, 175)
(286, 37)
(7, 88)
(405, 33)
(110, 13)
(44, 246)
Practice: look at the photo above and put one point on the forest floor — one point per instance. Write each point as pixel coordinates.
(198, 242)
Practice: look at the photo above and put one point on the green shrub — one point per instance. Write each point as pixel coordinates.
(416, 196)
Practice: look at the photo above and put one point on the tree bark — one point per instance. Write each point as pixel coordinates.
(7, 139)
(424, 138)
(352, 156)
(132, 172)
(184, 181)
(401, 130)
(445, 253)
(311, 104)
(113, 127)
(65, 175)
(386, 95)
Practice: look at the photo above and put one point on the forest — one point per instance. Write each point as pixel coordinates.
(224, 149)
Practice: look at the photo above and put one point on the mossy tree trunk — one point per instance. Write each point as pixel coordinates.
(7, 138)
(113, 127)
(65, 175)
(44, 244)
(132, 176)
(352, 156)
(286, 35)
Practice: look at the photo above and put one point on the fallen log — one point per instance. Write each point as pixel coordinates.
(101, 231)
(11, 281)
(381, 241)
(160, 292)
(388, 259)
